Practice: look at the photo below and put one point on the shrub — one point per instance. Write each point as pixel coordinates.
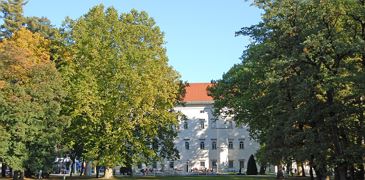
(251, 166)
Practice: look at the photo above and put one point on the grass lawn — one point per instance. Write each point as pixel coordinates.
(198, 178)
(222, 177)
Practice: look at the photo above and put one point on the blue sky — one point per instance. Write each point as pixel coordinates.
(199, 34)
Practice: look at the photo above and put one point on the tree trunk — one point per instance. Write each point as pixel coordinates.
(352, 172)
(72, 166)
(97, 171)
(280, 174)
(340, 173)
(311, 171)
(108, 173)
(82, 168)
(319, 174)
(18, 175)
(262, 169)
(303, 170)
(27, 173)
(360, 174)
(3, 170)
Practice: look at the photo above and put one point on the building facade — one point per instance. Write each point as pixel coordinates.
(207, 143)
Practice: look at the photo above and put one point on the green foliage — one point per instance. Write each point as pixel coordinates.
(14, 20)
(300, 85)
(121, 88)
(251, 166)
(31, 90)
(12, 14)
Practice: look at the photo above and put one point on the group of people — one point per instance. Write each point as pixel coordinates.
(147, 171)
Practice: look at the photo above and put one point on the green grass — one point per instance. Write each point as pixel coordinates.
(220, 177)
(230, 177)
(198, 178)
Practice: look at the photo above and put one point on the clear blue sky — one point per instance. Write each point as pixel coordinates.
(199, 34)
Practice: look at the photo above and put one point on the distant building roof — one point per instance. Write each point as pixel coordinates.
(197, 92)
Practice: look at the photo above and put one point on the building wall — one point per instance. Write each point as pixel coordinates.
(219, 130)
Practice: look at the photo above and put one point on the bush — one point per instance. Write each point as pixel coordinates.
(251, 166)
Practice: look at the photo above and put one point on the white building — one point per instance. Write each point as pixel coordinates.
(207, 143)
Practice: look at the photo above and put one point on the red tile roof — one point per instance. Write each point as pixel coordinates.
(197, 92)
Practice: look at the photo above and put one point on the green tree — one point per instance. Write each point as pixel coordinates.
(31, 91)
(122, 89)
(298, 86)
(12, 14)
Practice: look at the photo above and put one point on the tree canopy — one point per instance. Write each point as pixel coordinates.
(31, 93)
(300, 85)
(122, 89)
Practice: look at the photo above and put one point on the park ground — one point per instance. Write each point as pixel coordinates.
(181, 178)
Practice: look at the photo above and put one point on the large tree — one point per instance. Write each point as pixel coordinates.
(300, 85)
(31, 92)
(122, 89)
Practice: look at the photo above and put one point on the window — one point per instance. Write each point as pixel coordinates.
(202, 124)
(186, 124)
(230, 164)
(201, 111)
(154, 165)
(242, 145)
(171, 165)
(186, 145)
(202, 146)
(202, 163)
(230, 144)
(214, 145)
(214, 163)
(139, 165)
(242, 163)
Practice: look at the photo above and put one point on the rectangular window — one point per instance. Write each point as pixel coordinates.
(187, 145)
(202, 145)
(230, 164)
(230, 144)
(202, 126)
(214, 145)
(214, 163)
(202, 163)
(242, 145)
(171, 165)
(242, 163)
(139, 165)
(202, 111)
(154, 165)
(186, 124)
